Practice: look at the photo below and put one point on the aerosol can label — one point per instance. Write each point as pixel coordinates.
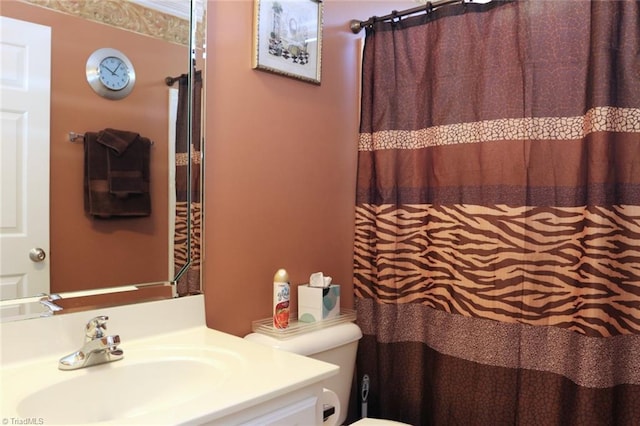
(281, 308)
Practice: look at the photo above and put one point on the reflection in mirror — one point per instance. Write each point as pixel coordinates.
(189, 133)
(80, 252)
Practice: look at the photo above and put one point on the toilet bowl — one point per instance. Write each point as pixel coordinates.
(336, 344)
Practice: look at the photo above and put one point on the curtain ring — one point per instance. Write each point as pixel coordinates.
(428, 7)
(394, 17)
(367, 25)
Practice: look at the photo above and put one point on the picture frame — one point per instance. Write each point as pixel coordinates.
(288, 38)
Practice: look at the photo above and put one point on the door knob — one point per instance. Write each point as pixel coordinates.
(37, 254)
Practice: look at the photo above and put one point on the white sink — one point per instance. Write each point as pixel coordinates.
(175, 371)
(145, 380)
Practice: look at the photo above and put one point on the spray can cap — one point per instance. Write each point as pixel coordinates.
(281, 276)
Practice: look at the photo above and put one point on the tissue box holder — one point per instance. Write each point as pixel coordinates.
(317, 303)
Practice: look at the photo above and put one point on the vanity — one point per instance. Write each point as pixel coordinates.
(174, 371)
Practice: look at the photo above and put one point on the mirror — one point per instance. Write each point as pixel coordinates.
(113, 260)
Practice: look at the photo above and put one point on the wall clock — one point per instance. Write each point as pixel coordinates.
(110, 73)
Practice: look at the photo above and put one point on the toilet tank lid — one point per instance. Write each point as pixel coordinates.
(312, 342)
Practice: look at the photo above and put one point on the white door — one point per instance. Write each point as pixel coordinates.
(25, 70)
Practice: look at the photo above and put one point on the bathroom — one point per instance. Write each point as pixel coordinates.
(281, 164)
(301, 180)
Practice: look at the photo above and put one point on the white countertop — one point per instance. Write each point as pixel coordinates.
(252, 373)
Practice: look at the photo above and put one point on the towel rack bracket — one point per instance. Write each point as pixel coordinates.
(73, 136)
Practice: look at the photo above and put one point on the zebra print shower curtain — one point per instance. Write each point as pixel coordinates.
(188, 217)
(497, 247)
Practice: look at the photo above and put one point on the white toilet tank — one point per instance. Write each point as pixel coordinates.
(336, 344)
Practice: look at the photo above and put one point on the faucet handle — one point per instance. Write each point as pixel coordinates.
(95, 327)
(48, 300)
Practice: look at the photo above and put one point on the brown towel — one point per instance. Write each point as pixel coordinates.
(126, 161)
(116, 174)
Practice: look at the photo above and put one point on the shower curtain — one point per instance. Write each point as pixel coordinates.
(497, 247)
(188, 201)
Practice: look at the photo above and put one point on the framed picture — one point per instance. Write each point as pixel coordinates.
(288, 38)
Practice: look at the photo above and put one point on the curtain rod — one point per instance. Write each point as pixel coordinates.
(357, 25)
(170, 80)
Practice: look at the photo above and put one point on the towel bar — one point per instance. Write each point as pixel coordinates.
(73, 136)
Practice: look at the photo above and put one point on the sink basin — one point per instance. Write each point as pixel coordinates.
(144, 380)
(120, 392)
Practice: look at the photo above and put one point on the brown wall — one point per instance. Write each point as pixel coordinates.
(88, 253)
(280, 165)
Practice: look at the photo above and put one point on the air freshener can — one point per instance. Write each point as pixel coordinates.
(281, 291)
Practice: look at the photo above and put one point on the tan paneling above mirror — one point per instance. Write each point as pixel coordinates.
(87, 252)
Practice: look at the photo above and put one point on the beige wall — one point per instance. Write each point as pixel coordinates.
(89, 253)
(280, 164)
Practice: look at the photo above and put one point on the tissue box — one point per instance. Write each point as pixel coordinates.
(317, 303)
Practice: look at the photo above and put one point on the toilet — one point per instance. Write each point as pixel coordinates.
(336, 344)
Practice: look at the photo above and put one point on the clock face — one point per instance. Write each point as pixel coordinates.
(113, 73)
(110, 73)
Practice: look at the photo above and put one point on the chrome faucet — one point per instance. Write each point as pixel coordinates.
(48, 301)
(97, 348)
